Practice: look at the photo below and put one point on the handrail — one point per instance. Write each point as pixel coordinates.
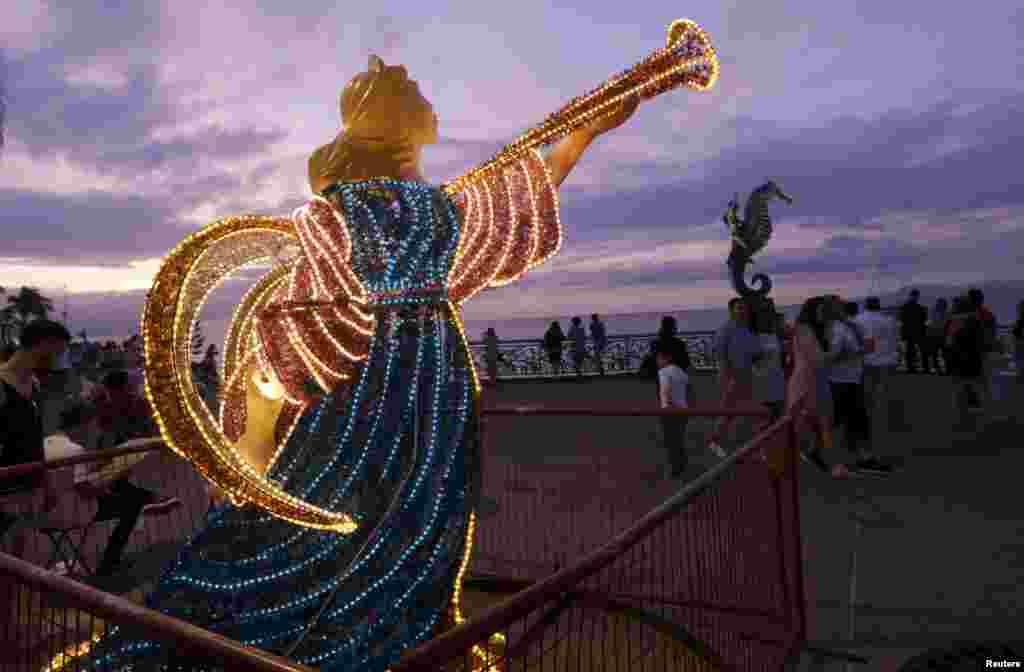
(128, 448)
(158, 626)
(461, 638)
(639, 335)
(753, 411)
(1002, 330)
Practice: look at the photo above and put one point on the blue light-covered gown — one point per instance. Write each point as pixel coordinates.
(397, 449)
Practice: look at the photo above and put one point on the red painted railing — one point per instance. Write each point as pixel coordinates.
(709, 579)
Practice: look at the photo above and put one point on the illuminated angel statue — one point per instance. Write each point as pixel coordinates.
(348, 439)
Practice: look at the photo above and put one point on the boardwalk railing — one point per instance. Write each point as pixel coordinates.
(709, 579)
(527, 358)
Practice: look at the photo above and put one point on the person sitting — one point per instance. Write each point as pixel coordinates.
(117, 499)
(122, 413)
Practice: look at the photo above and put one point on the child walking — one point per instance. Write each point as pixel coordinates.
(674, 391)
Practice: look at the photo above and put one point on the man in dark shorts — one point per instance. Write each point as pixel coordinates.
(846, 379)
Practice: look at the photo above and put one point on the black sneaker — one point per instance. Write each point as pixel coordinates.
(872, 466)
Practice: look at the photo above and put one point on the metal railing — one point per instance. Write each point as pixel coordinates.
(50, 619)
(73, 537)
(623, 354)
(709, 579)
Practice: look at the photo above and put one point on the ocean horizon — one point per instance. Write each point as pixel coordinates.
(616, 324)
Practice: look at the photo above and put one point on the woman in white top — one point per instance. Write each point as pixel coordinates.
(674, 391)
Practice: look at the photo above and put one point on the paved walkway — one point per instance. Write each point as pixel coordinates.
(940, 555)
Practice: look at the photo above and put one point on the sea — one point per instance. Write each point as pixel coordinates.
(618, 324)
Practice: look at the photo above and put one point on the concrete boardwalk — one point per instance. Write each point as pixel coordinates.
(940, 556)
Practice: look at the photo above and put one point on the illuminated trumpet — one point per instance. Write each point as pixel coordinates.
(688, 59)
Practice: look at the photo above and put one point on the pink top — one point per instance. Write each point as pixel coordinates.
(808, 358)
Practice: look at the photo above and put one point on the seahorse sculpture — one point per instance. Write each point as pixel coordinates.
(750, 235)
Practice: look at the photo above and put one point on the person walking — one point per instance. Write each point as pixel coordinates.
(674, 391)
(846, 376)
(578, 339)
(1017, 332)
(965, 338)
(880, 361)
(599, 337)
(737, 348)
(553, 340)
(991, 346)
(935, 337)
(808, 394)
(913, 317)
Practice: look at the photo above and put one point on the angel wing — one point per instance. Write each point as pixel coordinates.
(272, 324)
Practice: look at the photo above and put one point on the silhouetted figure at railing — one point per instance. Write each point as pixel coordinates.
(599, 336)
(913, 317)
(491, 355)
(933, 341)
(578, 343)
(553, 340)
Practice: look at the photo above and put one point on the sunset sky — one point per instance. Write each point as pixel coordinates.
(897, 127)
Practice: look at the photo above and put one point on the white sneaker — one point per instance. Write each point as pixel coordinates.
(716, 449)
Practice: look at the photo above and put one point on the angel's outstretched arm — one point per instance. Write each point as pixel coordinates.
(563, 156)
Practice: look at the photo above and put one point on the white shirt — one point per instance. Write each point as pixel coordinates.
(884, 330)
(59, 446)
(672, 384)
(842, 339)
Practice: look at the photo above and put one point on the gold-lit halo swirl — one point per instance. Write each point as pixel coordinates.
(687, 60)
(188, 274)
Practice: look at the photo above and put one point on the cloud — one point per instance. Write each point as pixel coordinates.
(128, 127)
(87, 228)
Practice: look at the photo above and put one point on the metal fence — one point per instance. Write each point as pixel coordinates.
(55, 605)
(528, 358)
(50, 619)
(72, 537)
(709, 579)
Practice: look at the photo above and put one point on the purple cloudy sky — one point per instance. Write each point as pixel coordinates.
(895, 125)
